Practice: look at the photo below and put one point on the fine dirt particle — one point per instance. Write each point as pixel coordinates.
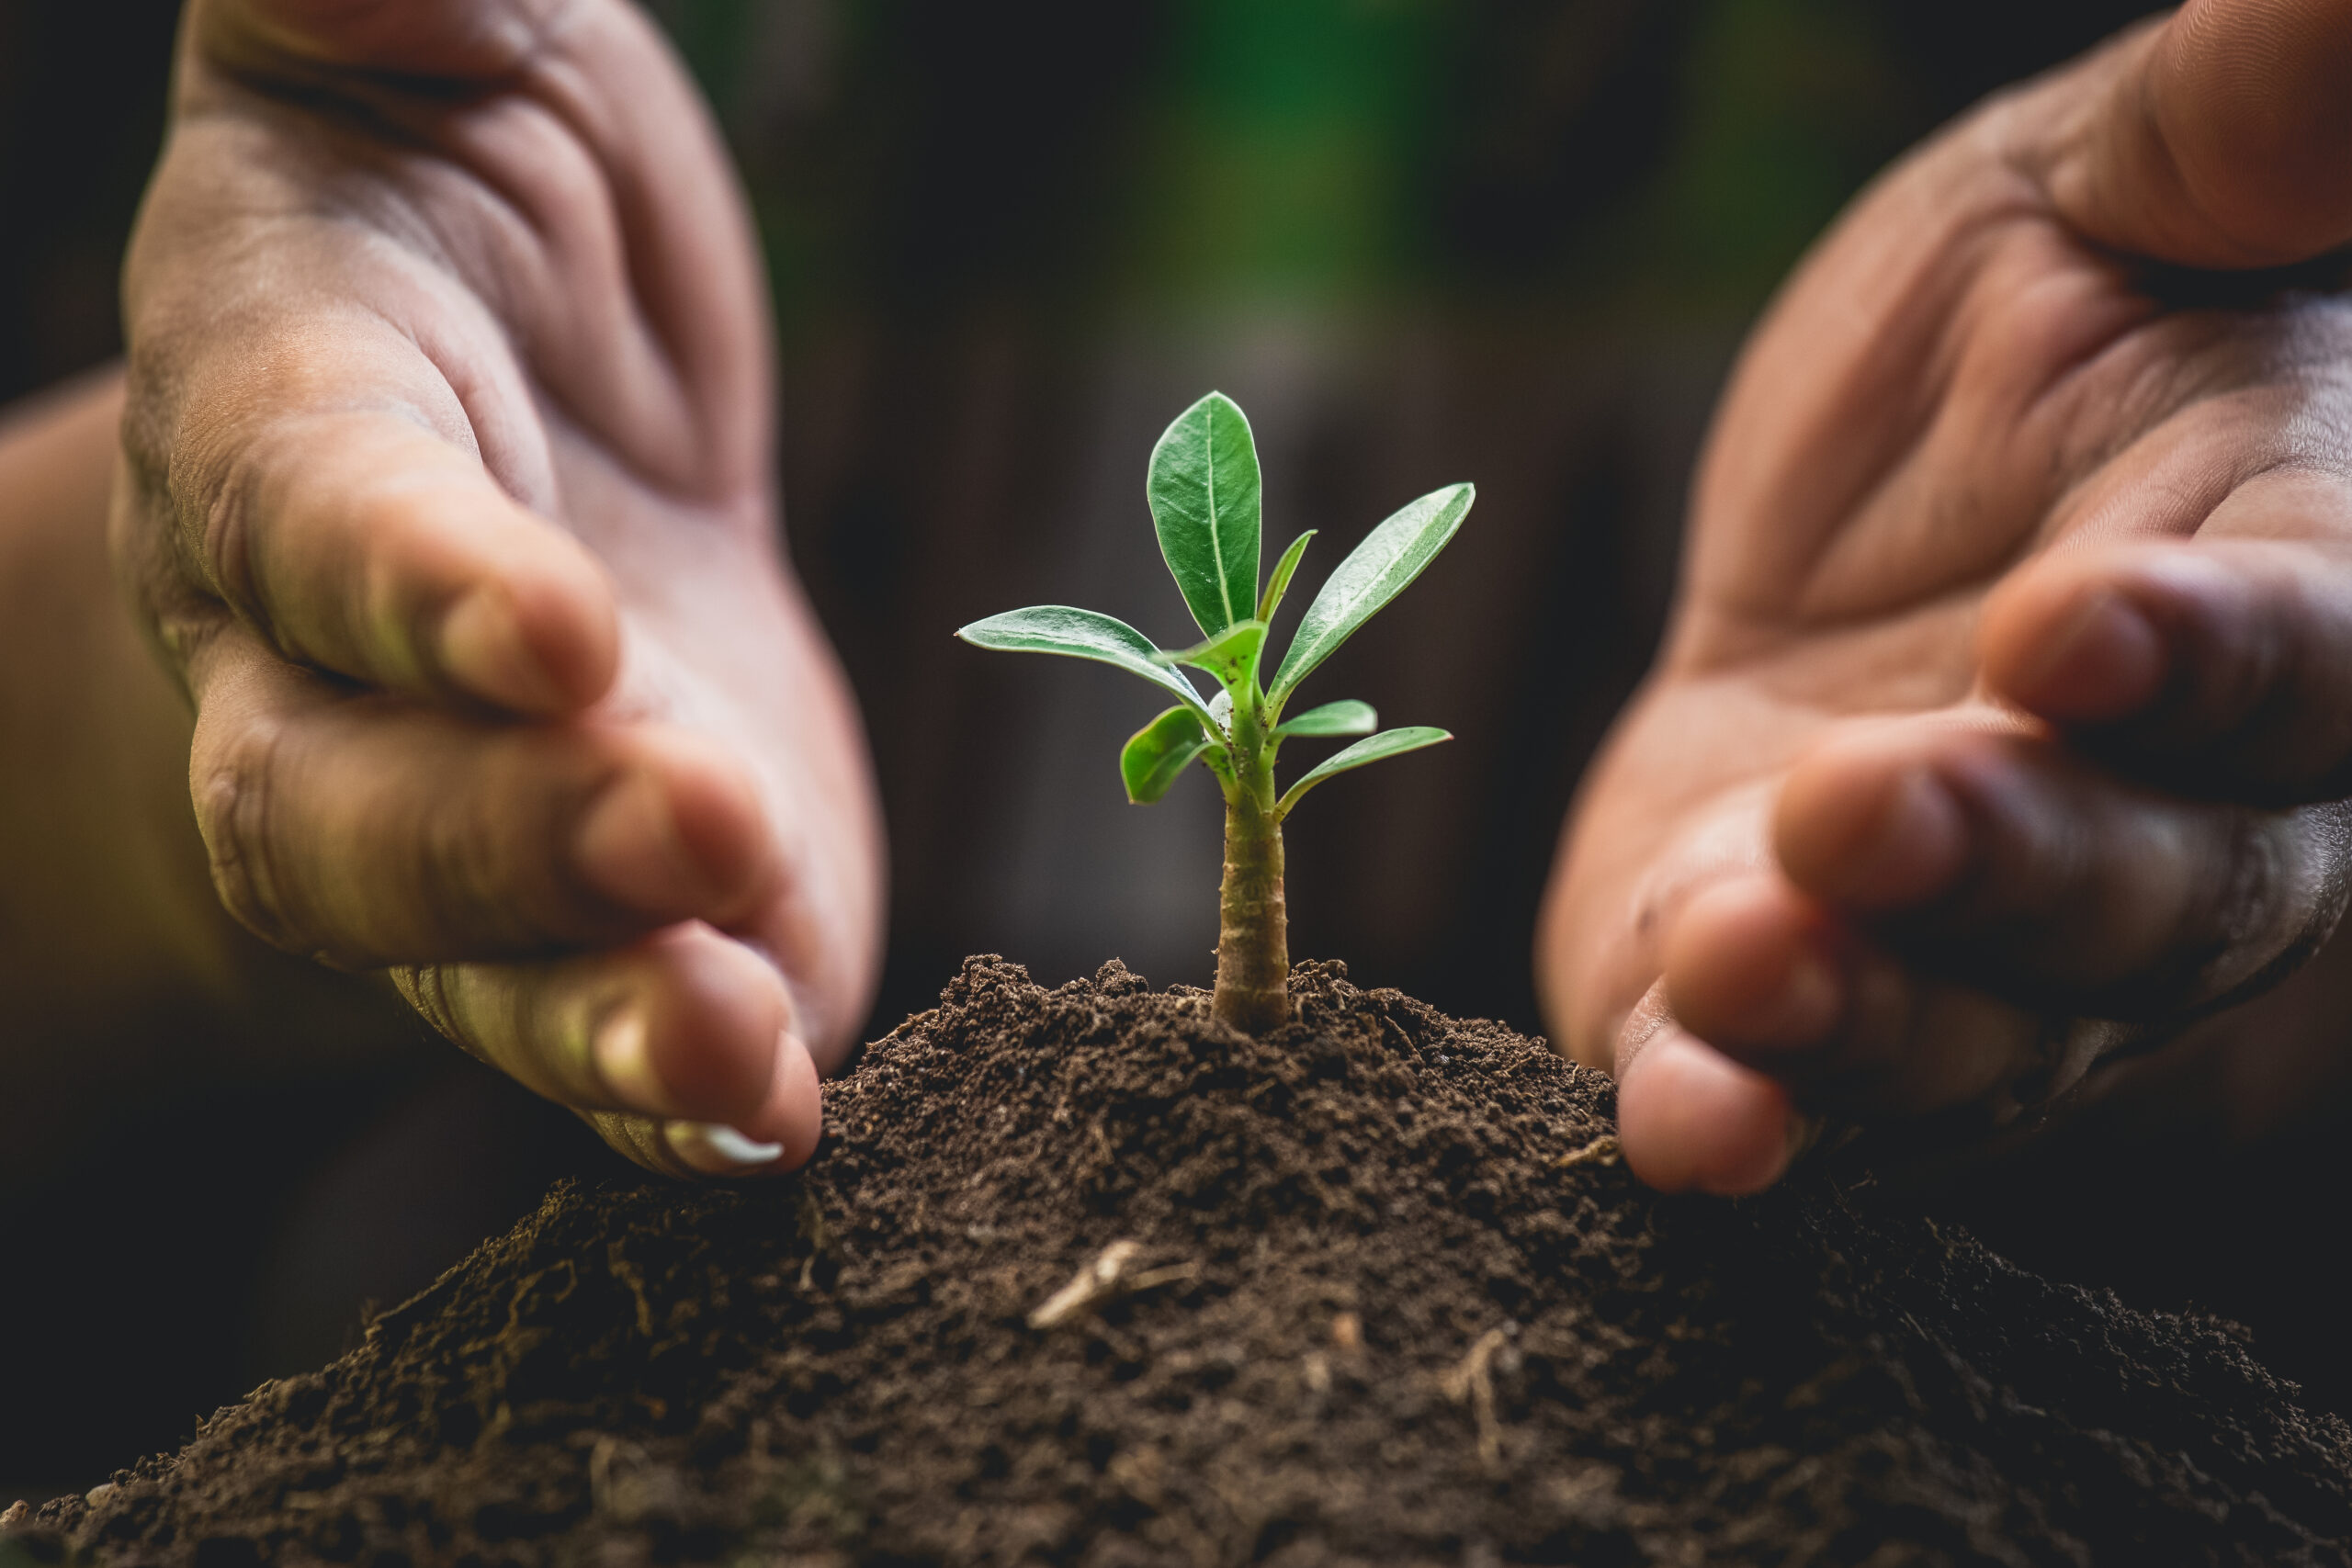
(1371, 1297)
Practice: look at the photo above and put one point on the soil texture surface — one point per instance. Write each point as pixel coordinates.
(1083, 1277)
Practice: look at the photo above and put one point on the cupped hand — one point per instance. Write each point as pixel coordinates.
(2004, 720)
(448, 495)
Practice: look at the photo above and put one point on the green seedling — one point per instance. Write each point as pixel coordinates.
(1204, 491)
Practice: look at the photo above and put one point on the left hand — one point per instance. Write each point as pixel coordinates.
(449, 501)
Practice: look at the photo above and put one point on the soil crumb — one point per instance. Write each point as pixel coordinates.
(1083, 1277)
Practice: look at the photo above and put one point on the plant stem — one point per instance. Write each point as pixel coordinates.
(1254, 932)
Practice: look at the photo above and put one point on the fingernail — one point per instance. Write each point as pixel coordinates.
(2103, 661)
(624, 1063)
(1918, 845)
(482, 648)
(630, 849)
(717, 1150)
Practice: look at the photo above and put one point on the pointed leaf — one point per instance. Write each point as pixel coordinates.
(1374, 573)
(1079, 633)
(1231, 656)
(1388, 743)
(1204, 504)
(1159, 752)
(1349, 717)
(1278, 585)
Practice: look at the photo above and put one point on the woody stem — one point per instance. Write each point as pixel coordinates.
(1253, 930)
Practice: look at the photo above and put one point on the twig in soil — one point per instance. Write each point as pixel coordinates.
(1088, 1286)
(1151, 1279)
(1600, 1151)
(1104, 1278)
(1472, 1383)
(810, 1216)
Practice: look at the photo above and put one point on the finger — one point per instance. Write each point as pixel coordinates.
(360, 533)
(2223, 667)
(376, 549)
(781, 1136)
(2009, 863)
(1766, 974)
(686, 1025)
(368, 830)
(2221, 138)
(1691, 1119)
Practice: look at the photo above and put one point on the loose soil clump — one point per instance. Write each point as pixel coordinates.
(1081, 1276)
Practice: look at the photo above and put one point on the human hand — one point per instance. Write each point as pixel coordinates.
(448, 496)
(2006, 716)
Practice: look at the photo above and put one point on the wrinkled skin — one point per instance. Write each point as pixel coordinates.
(2005, 722)
(448, 496)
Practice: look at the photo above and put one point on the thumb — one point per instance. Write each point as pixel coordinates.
(2221, 138)
(456, 40)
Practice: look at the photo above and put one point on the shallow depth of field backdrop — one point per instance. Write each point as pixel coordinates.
(1511, 240)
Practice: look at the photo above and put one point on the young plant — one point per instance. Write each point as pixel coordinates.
(1204, 491)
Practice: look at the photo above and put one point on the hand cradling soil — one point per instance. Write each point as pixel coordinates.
(1083, 1277)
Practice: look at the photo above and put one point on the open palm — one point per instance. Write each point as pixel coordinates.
(2005, 719)
(449, 496)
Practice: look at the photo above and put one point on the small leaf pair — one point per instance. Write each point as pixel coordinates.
(1205, 492)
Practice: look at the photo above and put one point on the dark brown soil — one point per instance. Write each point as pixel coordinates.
(1391, 1300)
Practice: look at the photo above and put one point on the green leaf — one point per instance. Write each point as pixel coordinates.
(1278, 585)
(1374, 573)
(1388, 743)
(1160, 750)
(1205, 502)
(1349, 717)
(1231, 656)
(1080, 633)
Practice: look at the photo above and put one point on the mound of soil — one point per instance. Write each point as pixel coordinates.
(1083, 1277)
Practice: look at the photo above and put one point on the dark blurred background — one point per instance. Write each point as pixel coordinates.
(1509, 240)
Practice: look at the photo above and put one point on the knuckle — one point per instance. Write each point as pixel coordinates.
(217, 512)
(2276, 898)
(432, 990)
(458, 863)
(486, 854)
(476, 1008)
(2250, 895)
(238, 817)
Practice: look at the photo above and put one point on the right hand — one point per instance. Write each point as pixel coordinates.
(448, 496)
(2006, 720)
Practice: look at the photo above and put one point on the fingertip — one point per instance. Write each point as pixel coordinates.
(719, 815)
(1690, 1119)
(2215, 138)
(2249, 102)
(1865, 824)
(781, 1135)
(790, 1122)
(711, 1028)
(798, 1108)
(1748, 963)
(2073, 651)
(541, 641)
(678, 833)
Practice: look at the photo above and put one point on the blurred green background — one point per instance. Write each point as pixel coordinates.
(1509, 240)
